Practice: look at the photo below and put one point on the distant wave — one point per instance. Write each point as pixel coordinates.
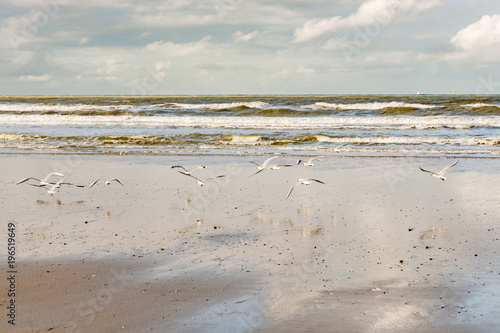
(250, 108)
(77, 108)
(370, 106)
(221, 106)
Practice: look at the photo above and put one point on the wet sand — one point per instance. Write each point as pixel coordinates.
(381, 247)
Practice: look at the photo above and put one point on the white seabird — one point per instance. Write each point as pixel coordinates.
(43, 182)
(310, 161)
(264, 165)
(107, 182)
(188, 172)
(54, 188)
(303, 181)
(336, 149)
(440, 174)
(201, 182)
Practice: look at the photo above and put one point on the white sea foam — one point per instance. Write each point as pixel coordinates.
(369, 106)
(480, 105)
(327, 122)
(387, 140)
(221, 106)
(243, 140)
(46, 107)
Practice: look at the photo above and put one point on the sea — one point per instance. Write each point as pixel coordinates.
(350, 125)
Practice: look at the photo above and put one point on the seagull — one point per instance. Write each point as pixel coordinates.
(55, 188)
(440, 174)
(264, 165)
(43, 182)
(278, 166)
(303, 181)
(202, 182)
(107, 182)
(188, 172)
(309, 162)
(336, 149)
(52, 189)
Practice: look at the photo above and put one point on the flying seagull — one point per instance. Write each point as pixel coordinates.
(336, 149)
(264, 165)
(310, 161)
(278, 166)
(303, 181)
(188, 172)
(54, 186)
(440, 174)
(107, 182)
(43, 182)
(202, 182)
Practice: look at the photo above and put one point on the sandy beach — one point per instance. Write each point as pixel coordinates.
(380, 247)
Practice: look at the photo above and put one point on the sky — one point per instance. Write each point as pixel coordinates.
(193, 47)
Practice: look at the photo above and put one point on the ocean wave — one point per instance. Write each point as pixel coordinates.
(481, 105)
(245, 140)
(370, 105)
(320, 122)
(77, 108)
(271, 108)
(482, 109)
(401, 111)
(222, 106)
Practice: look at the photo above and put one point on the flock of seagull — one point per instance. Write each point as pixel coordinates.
(301, 181)
(260, 168)
(53, 186)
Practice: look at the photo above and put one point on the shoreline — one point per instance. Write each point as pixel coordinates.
(245, 154)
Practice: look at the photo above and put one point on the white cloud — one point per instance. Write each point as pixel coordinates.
(177, 50)
(84, 40)
(239, 36)
(305, 71)
(480, 35)
(379, 12)
(36, 78)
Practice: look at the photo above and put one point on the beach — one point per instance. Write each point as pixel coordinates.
(380, 247)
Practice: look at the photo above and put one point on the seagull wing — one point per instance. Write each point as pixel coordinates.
(197, 167)
(26, 179)
(317, 181)
(52, 174)
(117, 180)
(180, 166)
(291, 189)
(71, 184)
(445, 170)
(36, 185)
(95, 182)
(266, 162)
(258, 171)
(337, 148)
(426, 170)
